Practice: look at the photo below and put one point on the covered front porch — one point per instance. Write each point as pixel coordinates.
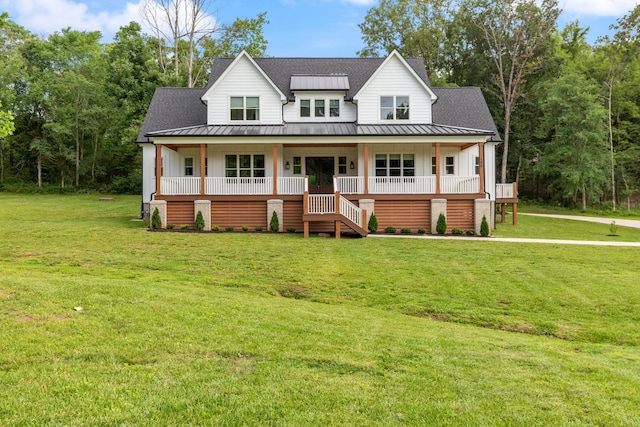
(359, 169)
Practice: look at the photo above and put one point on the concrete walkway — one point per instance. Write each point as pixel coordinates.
(619, 221)
(512, 240)
(632, 223)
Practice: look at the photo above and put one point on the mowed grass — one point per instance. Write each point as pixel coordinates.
(263, 329)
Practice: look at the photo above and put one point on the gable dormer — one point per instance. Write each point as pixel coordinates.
(395, 94)
(243, 94)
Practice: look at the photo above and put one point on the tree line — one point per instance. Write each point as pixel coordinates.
(568, 111)
(71, 106)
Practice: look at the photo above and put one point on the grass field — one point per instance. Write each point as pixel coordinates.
(263, 329)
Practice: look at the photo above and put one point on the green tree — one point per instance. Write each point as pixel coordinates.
(575, 155)
(244, 34)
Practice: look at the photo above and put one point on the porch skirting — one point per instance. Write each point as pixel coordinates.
(415, 213)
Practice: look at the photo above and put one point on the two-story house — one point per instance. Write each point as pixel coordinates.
(323, 142)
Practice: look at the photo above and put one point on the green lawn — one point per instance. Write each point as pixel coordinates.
(264, 329)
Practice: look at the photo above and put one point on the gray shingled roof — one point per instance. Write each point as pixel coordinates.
(180, 111)
(463, 106)
(280, 70)
(320, 129)
(172, 108)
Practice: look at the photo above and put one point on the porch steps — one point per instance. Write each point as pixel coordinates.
(336, 218)
(333, 208)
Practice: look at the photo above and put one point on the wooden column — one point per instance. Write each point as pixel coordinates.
(158, 168)
(515, 214)
(503, 212)
(437, 168)
(203, 167)
(366, 168)
(481, 165)
(275, 169)
(305, 205)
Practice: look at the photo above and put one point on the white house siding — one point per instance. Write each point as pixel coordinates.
(394, 79)
(244, 80)
(148, 168)
(490, 169)
(348, 111)
(351, 153)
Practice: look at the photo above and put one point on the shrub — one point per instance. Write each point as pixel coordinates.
(184, 227)
(291, 230)
(457, 231)
(156, 222)
(274, 225)
(170, 226)
(215, 228)
(422, 231)
(613, 228)
(484, 227)
(373, 223)
(441, 226)
(470, 232)
(229, 228)
(245, 228)
(199, 225)
(405, 230)
(258, 228)
(390, 230)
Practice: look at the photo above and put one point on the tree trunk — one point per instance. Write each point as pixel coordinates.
(519, 165)
(505, 144)
(39, 159)
(584, 199)
(613, 174)
(1, 161)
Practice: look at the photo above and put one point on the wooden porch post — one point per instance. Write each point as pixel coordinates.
(158, 167)
(366, 168)
(481, 165)
(275, 169)
(337, 202)
(203, 167)
(515, 205)
(503, 212)
(437, 168)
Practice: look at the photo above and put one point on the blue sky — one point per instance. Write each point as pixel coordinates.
(302, 28)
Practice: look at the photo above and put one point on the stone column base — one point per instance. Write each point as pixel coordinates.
(161, 205)
(276, 206)
(203, 206)
(438, 206)
(481, 207)
(368, 205)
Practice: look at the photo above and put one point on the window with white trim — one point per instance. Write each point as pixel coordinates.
(395, 165)
(155, 168)
(433, 165)
(477, 165)
(394, 108)
(244, 166)
(245, 108)
(449, 165)
(188, 166)
(305, 108)
(334, 108)
(319, 108)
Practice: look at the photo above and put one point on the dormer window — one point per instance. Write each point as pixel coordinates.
(319, 110)
(246, 108)
(394, 108)
(305, 108)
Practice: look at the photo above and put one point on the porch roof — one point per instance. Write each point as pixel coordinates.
(320, 129)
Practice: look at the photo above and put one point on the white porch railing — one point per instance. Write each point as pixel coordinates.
(402, 184)
(351, 211)
(351, 184)
(290, 185)
(322, 203)
(180, 186)
(460, 184)
(238, 186)
(506, 191)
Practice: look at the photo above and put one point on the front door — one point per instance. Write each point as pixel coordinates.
(320, 171)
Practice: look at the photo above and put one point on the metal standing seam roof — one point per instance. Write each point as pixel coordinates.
(320, 129)
(319, 82)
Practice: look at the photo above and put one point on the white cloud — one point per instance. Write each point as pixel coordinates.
(360, 2)
(598, 7)
(48, 16)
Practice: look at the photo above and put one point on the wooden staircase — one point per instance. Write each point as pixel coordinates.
(332, 207)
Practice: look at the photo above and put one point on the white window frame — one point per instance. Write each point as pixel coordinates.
(252, 170)
(449, 168)
(476, 163)
(189, 168)
(394, 108)
(244, 109)
(308, 106)
(402, 166)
